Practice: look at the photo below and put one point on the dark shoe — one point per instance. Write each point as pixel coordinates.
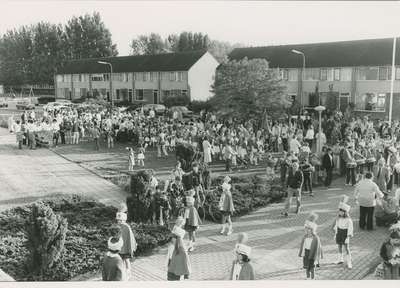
(284, 213)
(298, 210)
(370, 230)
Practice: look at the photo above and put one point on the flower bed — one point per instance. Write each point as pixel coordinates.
(249, 194)
(88, 230)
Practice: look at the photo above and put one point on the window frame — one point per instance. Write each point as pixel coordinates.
(367, 68)
(144, 95)
(378, 96)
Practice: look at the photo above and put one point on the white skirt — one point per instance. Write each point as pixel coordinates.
(140, 156)
(216, 149)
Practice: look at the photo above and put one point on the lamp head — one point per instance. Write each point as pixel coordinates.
(297, 52)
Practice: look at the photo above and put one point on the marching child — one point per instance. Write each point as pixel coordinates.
(226, 206)
(113, 265)
(177, 260)
(192, 221)
(128, 238)
(241, 267)
(270, 167)
(310, 248)
(131, 158)
(140, 155)
(343, 227)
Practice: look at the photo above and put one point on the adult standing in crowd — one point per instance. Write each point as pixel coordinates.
(309, 138)
(327, 165)
(295, 182)
(366, 193)
(381, 174)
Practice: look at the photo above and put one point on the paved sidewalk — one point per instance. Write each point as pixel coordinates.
(274, 238)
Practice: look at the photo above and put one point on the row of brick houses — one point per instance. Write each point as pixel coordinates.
(356, 71)
(140, 79)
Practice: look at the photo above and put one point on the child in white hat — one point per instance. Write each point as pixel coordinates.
(130, 243)
(343, 227)
(310, 248)
(192, 220)
(226, 207)
(241, 267)
(113, 266)
(177, 261)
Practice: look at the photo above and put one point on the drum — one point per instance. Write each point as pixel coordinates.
(371, 160)
(351, 165)
(360, 161)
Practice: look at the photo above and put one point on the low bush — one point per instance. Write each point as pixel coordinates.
(46, 99)
(86, 239)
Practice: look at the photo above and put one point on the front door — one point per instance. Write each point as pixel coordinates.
(130, 93)
(155, 95)
(343, 102)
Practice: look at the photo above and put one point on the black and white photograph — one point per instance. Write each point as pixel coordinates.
(146, 141)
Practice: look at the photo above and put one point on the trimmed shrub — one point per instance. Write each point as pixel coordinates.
(46, 234)
(138, 202)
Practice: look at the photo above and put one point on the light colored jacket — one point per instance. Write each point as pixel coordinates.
(365, 193)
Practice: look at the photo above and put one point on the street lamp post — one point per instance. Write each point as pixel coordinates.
(319, 109)
(111, 94)
(303, 74)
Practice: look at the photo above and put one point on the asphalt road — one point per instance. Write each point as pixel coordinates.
(12, 110)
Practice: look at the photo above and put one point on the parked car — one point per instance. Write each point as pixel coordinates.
(159, 109)
(64, 101)
(3, 103)
(25, 105)
(34, 101)
(184, 110)
(46, 99)
(53, 105)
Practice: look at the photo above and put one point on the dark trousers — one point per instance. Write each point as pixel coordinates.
(390, 218)
(228, 164)
(328, 178)
(351, 171)
(310, 142)
(96, 143)
(283, 175)
(307, 181)
(367, 217)
(369, 166)
(62, 134)
(285, 144)
(342, 167)
(390, 183)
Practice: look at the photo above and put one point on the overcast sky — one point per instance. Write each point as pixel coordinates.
(251, 23)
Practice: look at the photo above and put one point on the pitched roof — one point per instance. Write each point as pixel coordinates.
(372, 52)
(141, 63)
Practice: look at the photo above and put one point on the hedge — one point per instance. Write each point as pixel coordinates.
(88, 230)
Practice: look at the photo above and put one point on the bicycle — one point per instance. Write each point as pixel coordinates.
(212, 199)
(181, 208)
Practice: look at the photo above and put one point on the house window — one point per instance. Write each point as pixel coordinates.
(145, 77)
(62, 92)
(166, 93)
(171, 76)
(345, 74)
(60, 78)
(129, 77)
(330, 74)
(293, 74)
(81, 78)
(151, 77)
(312, 74)
(140, 95)
(324, 74)
(336, 74)
(367, 73)
(383, 73)
(99, 77)
(184, 92)
(370, 102)
(397, 73)
(322, 98)
(285, 74)
(178, 76)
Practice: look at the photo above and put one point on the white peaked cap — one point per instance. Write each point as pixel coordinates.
(311, 225)
(115, 246)
(243, 249)
(344, 207)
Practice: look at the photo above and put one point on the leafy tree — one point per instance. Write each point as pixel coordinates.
(183, 44)
(247, 87)
(47, 56)
(190, 43)
(16, 48)
(220, 49)
(149, 45)
(173, 43)
(139, 45)
(87, 37)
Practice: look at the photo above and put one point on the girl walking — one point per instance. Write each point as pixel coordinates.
(343, 227)
(310, 249)
(226, 206)
(177, 261)
(131, 158)
(140, 155)
(241, 267)
(192, 222)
